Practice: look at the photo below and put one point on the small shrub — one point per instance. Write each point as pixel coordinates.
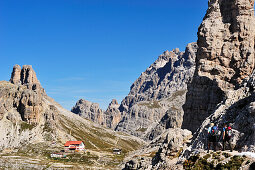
(226, 154)
(207, 156)
(47, 127)
(26, 126)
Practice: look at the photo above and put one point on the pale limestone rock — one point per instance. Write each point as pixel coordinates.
(112, 114)
(158, 92)
(26, 76)
(16, 73)
(225, 57)
(89, 110)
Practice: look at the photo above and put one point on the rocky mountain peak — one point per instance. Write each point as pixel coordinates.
(15, 76)
(25, 76)
(89, 110)
(158, 94)
(113, 102)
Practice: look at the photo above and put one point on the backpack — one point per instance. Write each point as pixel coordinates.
(214, 131)
(229, 132)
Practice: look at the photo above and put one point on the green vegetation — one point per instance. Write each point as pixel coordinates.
(197, 162)
(207, 156)
(96, 138)
(216, 156)
(78, 158)
(25, 126)
(226, 155)
(47, 127)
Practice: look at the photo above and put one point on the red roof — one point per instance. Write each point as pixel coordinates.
(68, 143)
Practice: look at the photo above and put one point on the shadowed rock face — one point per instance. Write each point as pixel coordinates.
(224, 59)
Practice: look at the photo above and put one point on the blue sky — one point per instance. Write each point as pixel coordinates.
(93, 49)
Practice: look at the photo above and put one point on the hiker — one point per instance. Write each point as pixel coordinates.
(212, 136)
(226, 136)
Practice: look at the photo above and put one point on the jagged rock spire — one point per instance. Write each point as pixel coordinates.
(25, 76)
(15, 77)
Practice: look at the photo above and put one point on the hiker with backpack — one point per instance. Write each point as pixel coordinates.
(212, 136)
(226, 136)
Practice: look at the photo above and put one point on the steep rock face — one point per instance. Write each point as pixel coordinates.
(226, 41)
(24, 107)
(24, 94)
(238, 111)
(16, 73)
(26, 76)
(112, 114)
(161, 88)
(169, 73)
(225, 57)
(89, 110)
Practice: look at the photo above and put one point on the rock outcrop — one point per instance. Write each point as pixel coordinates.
(89, 110)
(238, 111)
(16, 75)
(22, 107)
(158, 92)
(172, 142)
(24, 93)
(112, 114)
(26, 76)
(225, 57)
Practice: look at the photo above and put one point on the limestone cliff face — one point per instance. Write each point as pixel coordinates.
(160, 90)
(169, 73)
(112, 114)
(26, 76)
(225, 57)
(89, 110)
(226, 41)
(24, 93)
(23, 106)
(16, 74)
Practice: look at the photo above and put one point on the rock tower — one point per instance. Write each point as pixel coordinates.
(224, 59)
